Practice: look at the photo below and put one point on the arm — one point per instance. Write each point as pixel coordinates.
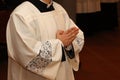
(36, 56)
(73, 41)
(77, 43)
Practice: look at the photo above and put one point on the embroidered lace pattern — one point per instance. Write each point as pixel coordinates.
(78, 40)
(44, 57)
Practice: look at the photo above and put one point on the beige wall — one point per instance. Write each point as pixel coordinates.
(70, 6)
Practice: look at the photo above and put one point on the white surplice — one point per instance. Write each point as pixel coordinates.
(34, 53)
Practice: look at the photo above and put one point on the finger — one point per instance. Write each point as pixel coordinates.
(70, 29)
(60, 32)
(71, 39)
(75, 29)
(73, 33)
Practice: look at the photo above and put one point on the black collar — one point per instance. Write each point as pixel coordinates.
(42, 6)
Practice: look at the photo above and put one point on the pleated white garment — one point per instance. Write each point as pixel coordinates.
(33, 50)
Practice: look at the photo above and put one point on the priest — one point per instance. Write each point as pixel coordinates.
(43, 42)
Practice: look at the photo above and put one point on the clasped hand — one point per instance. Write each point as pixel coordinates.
(67, 36)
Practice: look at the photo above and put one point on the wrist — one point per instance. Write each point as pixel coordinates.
(68, 48)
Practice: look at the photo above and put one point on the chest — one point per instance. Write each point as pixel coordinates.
(47, 24)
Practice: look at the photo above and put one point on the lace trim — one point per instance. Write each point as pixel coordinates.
(44, 57)
(78, 41)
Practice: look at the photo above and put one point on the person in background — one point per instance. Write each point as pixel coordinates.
(43, 42)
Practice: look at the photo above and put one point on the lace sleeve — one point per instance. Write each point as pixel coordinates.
(39, 63)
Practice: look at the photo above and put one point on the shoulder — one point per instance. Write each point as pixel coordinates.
(59, 7)
(24, 9)
(57, 4)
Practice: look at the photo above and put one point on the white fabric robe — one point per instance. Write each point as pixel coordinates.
(88, 6)
(34, 53)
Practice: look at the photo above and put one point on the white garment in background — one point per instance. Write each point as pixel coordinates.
(88, 6)
(34, 53)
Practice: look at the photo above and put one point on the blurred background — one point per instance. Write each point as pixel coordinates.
(100, 22)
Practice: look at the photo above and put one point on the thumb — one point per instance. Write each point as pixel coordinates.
(60, 32)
